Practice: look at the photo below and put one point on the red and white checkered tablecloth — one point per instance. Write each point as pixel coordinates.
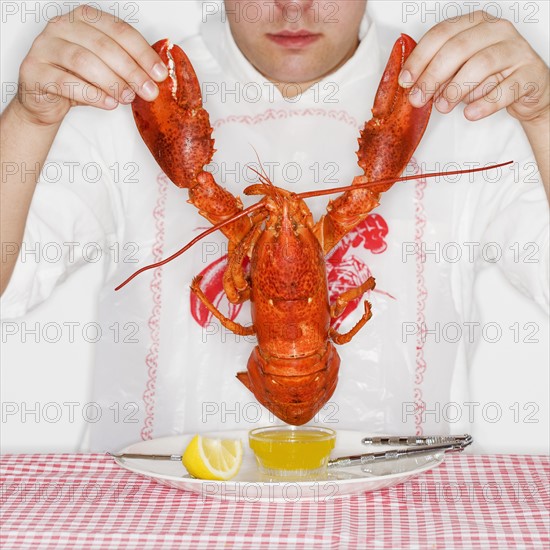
(87, 501)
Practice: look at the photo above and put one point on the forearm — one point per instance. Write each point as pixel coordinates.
(24, 147)
(538, 134)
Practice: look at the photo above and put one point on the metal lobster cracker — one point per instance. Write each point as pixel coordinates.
(293, 371)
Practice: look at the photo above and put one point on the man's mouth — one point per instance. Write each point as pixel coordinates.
(294, 39)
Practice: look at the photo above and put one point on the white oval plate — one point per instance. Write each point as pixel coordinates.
(251, 486)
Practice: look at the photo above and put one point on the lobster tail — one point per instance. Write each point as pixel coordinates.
(293, 389)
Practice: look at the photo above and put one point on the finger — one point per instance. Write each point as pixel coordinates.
(56, 82)
(133, 77)
(495, 61)
(455, 53)
(501, 96)
(431, 43)
(446, 101)
(86, 65)
(130, 40)
(440, 92)
(486, 87)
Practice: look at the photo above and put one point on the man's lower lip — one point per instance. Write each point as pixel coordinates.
(294, 41)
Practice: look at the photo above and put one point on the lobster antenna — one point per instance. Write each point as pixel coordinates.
(366, 185)
(269, 182)
(305, 195)
(263, 179)
(241, 214)
(266, 182)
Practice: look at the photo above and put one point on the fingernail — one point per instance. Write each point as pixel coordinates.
(415, 97)
(473, 112)
(159, 72)
(150, 90)
(442, 104)
(127, 96)
(405, 79)
(110, 102)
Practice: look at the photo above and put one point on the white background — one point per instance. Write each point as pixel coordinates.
(41, 373)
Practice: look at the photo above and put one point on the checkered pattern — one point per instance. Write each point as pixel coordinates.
(86, 501)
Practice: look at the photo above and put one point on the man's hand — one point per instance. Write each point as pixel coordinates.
(486, 63)
(86, 57)
(482, 61)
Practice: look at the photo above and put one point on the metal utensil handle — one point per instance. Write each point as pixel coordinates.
(144, 456)
(413, 440)
(357, 460)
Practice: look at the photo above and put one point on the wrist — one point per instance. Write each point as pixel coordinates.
(539, 122)
(537, 130)
(29, 119)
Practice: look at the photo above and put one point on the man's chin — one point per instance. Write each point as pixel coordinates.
(294, 74)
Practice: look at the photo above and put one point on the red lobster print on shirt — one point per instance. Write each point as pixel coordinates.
(342, 272)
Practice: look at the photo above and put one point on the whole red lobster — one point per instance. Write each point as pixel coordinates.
(293, 371)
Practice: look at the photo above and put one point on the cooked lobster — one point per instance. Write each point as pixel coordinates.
(276, 251)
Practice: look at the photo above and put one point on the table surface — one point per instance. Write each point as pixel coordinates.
(87, 501)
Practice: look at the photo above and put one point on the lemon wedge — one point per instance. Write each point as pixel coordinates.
(208, 458)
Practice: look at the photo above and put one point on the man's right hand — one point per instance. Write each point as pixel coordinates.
(86, 57)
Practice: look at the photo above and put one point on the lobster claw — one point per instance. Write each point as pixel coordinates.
(390, 138)
(175, 127)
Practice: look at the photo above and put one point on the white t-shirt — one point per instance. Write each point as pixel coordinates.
(173, 368)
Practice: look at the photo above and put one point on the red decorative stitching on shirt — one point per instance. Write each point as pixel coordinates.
(280, 114)
(421, 296)
(151, 360)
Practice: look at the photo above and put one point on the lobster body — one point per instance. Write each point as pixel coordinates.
(293, 371)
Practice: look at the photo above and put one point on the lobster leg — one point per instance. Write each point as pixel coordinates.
(177, 130)
(234, 327)
(349, 295)
(386, 145)
(235, 283)
(339, 339)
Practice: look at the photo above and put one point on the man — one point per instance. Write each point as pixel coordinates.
(168, 374)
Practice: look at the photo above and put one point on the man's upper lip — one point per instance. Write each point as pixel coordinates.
(294, 34)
